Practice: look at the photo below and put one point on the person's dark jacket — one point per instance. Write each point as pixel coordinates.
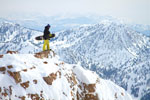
(46, 33)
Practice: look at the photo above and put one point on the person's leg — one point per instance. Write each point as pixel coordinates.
(47, 42)
(44, 45)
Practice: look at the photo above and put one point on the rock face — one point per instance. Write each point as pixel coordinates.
(30, 77)
(49, 79)
(12, 52)
(42, 54)
(2, 69)
(1, 56)
(16, 76)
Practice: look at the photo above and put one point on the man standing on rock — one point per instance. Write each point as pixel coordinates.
(46, 37)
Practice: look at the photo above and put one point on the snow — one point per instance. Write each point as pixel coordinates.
(104, 87)
(87, 76)
(60, 88)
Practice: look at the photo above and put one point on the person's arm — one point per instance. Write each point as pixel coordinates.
(50, 35)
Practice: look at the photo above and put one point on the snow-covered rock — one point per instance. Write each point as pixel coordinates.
(42, 76)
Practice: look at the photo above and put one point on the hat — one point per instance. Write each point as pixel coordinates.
(48, 25)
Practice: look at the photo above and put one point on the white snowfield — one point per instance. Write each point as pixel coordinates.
(28, 77)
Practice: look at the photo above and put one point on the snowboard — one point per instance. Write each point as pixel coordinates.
(42, 38)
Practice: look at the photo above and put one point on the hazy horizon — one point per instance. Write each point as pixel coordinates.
(137, 11)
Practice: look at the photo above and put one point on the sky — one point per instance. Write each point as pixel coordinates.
(137, 11)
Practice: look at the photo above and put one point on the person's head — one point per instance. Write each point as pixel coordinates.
(47, 26)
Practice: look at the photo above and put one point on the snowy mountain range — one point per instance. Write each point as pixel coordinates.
(111, 49)
(144, 29)
(114, 51)
(42, 76)
(15, 37)
(58, 23)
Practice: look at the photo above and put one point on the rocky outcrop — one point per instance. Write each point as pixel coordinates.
(1, 56)
(45, 54)
(35, 81)
(12, 52)
(2, 69)
(16, 76)
(9, 66)
(88, 92)
(25, 84)
(49, 79)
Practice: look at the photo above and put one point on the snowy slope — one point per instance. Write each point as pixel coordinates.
(34, 77)
(18, 38)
